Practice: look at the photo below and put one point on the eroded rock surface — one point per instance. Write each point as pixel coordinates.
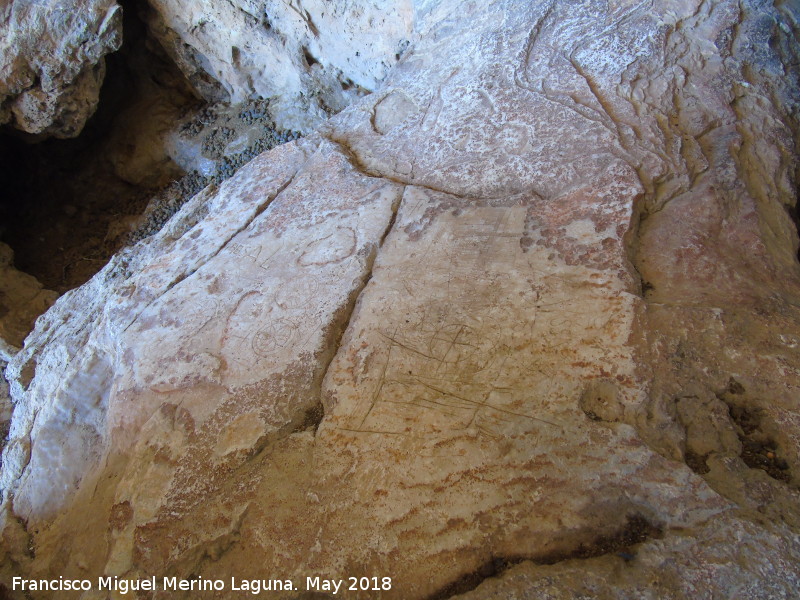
(528, 313)
(22, 299)
(314, 57)
(51, 62)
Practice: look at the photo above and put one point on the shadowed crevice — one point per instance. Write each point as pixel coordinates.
(636, 530)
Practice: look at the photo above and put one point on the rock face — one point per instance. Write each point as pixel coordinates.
(22, 299)
(51, 62)
(314, 56)
(527, 314)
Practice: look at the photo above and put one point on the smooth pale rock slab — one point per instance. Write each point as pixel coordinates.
(252, 316)
(112, 301)
(51, 62)
(461, 399)
(258, 340)
(278, 336)
(459, 388)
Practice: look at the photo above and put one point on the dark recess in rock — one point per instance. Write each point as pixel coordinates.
(68, 209)
(637, 529)
(64, 194)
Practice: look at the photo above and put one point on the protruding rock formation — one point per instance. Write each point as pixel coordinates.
(51, 62)
(22, 299)
(522, 323)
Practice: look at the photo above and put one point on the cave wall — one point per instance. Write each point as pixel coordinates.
(313, 57)
(51, 62)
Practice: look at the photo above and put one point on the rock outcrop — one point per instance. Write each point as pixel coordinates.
(51, 62)
(522, 323)
(313, 57)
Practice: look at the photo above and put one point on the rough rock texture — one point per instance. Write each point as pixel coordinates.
(51, 62)
(218, 139)
(314, 56)
(6, 406)
(22, 299)
(719, 561)
(527, 313)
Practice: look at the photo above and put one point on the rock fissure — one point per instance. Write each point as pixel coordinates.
(621, 544)
(260, 208)
(340, 325)
(364, 168)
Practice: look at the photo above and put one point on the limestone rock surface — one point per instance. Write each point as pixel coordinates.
(22, 300)
(51, 62)
(523, 323)
(313, 56)
(157, 96)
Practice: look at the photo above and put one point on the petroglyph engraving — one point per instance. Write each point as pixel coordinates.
(453, 343)
(330, 249)
(392, 110)
(515, 138)
(298, 294)
(479, 243)
(275, 336)
(201, 314)
(442, 371)
(245, 252)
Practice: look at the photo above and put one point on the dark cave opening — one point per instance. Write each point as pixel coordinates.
(65, 199)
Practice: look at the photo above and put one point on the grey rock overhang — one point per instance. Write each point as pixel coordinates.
(51, 62)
